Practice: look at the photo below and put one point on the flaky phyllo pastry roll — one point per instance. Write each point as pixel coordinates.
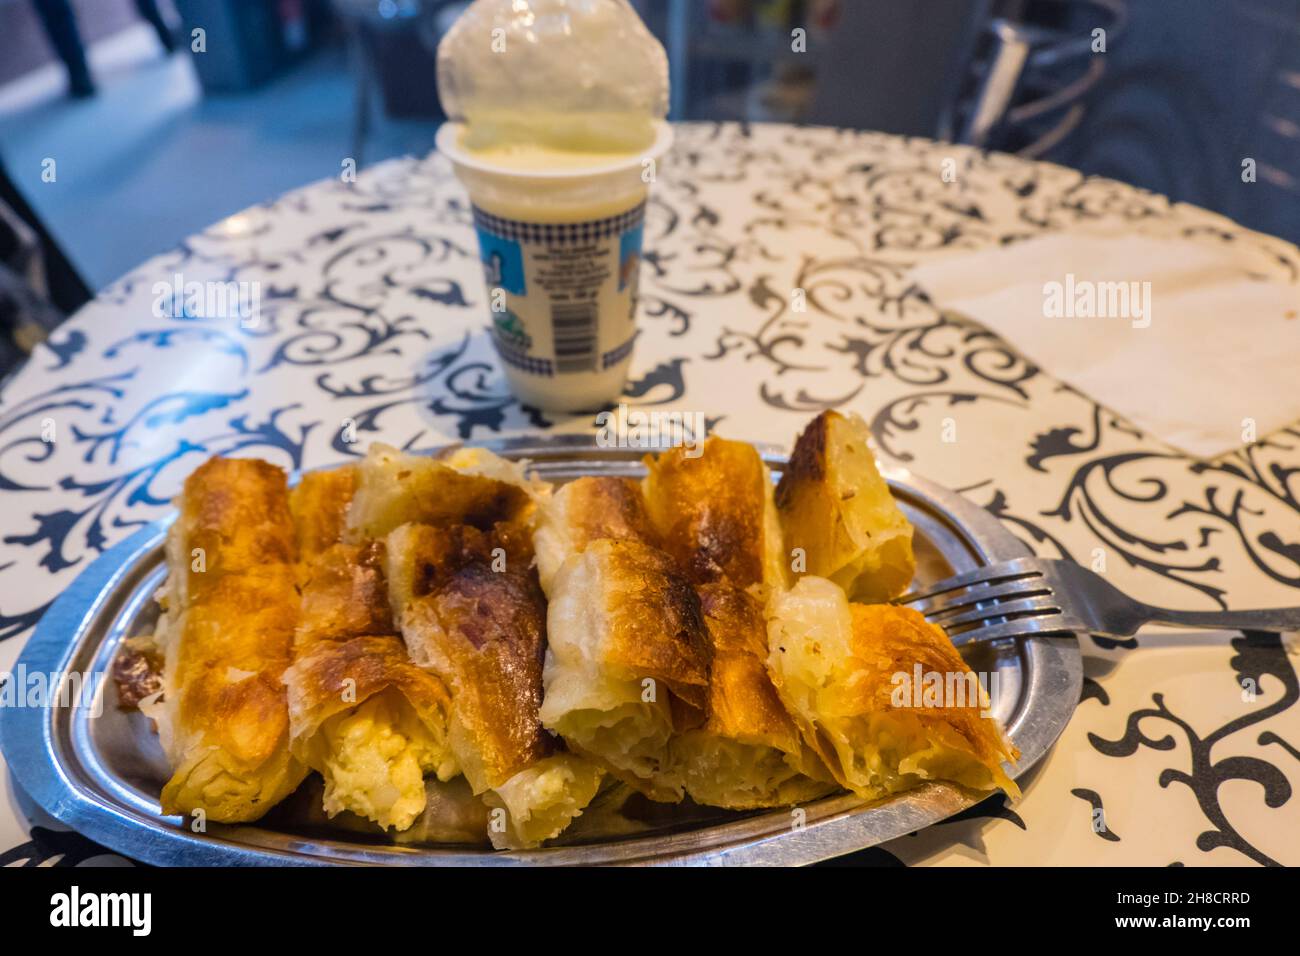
(586, 510)
(394, 488)
(836, 509)
(749, 752)
(343, 595)
(714, 515)
(419, 558)
(319, 504)
(461, 586)
(837, 668)
(483, 633)
(227, 636)
(628, 660)
(372, 723)
(361, 713)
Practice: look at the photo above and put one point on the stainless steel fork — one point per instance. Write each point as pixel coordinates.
(1029, 596)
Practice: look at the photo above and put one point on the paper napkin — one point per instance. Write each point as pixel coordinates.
(1183, 337)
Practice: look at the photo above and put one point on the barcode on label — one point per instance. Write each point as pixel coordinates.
(574, 328)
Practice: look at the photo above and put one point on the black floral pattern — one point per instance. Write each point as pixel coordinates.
(1258, 655)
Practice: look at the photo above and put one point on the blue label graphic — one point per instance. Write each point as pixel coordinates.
(629, 257)
(503, 263)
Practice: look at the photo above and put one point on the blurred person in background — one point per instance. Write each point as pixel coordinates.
(60, 24)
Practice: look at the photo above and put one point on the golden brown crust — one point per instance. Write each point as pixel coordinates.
(344, 595)
(708, 511)
(587, 509)
(807, 463)
(336, 676)
(344, 591)
(234, 517)
(234, 645)
(394, 488)
(888, 640)
(319, 503)
(484, 633)
(598, 507)
(423, 557)
(837, 512)
(658, 628)
(225, 716)
(743, 704)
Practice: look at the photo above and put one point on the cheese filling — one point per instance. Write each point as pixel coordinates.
(375, 759)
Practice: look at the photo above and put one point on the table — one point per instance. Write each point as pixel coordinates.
(1186, 746)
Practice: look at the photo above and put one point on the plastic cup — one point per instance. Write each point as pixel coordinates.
(561, 252)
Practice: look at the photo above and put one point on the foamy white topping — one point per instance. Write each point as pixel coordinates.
(575, 74)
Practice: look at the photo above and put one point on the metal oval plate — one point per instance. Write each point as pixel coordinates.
(96, 768)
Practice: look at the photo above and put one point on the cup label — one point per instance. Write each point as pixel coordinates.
(562, 295)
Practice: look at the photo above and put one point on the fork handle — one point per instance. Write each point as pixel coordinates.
(1267, 619)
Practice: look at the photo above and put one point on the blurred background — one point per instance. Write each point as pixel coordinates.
(158, 130)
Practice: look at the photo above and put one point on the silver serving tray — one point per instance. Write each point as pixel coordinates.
(101, 775)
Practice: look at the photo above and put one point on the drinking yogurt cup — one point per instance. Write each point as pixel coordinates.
(560, 236)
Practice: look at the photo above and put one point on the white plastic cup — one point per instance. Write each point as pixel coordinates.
(561, 252)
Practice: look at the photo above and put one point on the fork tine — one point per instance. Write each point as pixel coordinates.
(968, 597)
(989, 574)
(1036, 606)
(1025, 627)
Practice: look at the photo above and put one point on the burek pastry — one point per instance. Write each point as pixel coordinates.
(838, 668)
(460, 584)
(226, 638)
(749, 752)
(483, 633)
(628, 660)
(836, 508)
(584, 510)
(715, 514)
(371, 722)
(395, 488)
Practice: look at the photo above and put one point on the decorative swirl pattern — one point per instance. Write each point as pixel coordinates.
(1258, 655)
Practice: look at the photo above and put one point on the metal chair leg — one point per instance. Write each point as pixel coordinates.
(361, 67)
